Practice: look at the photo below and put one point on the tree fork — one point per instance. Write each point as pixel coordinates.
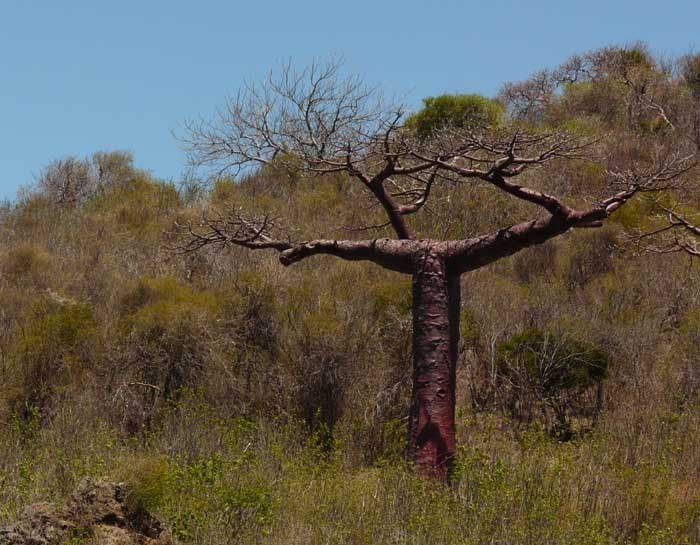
(436, 309)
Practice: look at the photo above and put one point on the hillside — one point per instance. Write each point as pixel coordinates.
(246, 402)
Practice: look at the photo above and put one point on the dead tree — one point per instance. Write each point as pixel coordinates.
(318, 122)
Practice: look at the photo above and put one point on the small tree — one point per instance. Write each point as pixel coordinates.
(320, 124)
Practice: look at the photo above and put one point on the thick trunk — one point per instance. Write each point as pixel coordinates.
(436, 298)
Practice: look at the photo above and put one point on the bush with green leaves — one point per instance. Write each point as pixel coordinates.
(166, 324)
(549, 376)
(55, 346)
(456, 111)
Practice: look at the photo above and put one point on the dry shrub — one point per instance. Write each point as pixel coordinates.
(271, 400)
(590, 258)
(26, 264)
(165, 330)
(55, 347)
(535, 262)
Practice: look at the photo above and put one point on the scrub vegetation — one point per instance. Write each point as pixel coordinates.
(246, 402)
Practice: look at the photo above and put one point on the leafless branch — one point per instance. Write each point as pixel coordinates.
(679, 234)
(320, 122)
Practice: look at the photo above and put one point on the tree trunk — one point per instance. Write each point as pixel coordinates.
(436, 306)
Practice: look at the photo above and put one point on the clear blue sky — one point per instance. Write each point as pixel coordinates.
(77, 76)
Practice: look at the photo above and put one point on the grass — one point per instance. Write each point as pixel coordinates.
(219, 480)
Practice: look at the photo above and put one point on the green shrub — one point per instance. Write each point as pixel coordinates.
(392, 296)
(166, 325)
(149, 481)
(571, 364)
(247, 502)
(545, 372)
(156, 301)
(55, 347)
(142, 205)
(455, 111)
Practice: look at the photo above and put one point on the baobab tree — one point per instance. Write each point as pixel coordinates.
(321, 124)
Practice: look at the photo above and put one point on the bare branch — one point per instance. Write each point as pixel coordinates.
(235, 229)
(319, 122)
(678, 235)
(259, 234)
(314, 117)
(416, 205)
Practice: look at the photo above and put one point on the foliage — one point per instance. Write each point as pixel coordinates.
(258, 483)
(148, 481)
(137, 206)
(543, 371)
(167, 322)
(573, 365)
(54, 350)
(457, 111)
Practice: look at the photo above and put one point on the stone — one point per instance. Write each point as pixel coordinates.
(97, 511)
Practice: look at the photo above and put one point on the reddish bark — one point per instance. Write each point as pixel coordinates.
(436, 299)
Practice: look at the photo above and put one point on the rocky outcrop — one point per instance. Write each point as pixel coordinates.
(98, 512)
